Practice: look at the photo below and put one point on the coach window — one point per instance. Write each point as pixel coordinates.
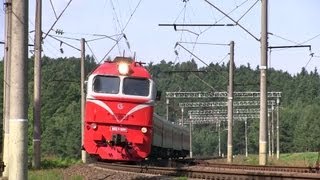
(135, 86)
(106, 84)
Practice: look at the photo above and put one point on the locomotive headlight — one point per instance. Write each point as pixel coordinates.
(94, 126)
(123, 68)
(144, 130)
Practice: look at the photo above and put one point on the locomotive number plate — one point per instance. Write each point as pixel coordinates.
(118, 129)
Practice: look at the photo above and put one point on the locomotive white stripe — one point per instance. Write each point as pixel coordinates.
(102, 104)
(106, 107)
(140, 106)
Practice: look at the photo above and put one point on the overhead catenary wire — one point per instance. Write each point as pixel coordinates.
(77, 39)
(116, 15)
(87, 34)
(244, 2)
(235, 3)
(46, 34)
(182, 10)
(193, 47)
(200, 60)
(64, 37)
(103, 37)
(248, 11)
(45, 46)
(111, 49)
(122, 31)
(310, 39)
(117, 24)
(207, 84)
(52, 46)
(232, 20)
(308, 61)
(54, 11)
(275, 35)
(94, 56)
(223, 58)
(194, 15)
(204, 43)
(294, 42)
(297, 44)
(135, 9)
(64, 42)
(194, 43)
(183, 29)
(181, 34)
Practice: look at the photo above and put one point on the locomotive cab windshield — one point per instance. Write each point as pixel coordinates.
(106, 84)
(122, 85)
(137, 87)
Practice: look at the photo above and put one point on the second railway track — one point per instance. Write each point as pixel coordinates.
(261, 168)
(210, 172)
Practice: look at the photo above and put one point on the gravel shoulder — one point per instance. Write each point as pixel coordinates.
(92, 173)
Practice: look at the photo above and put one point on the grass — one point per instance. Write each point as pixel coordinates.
(289, 159)
(52, 174)
(49, 163)
(51, 169)
(296, 159)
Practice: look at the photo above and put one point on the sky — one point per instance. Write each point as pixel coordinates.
(291, 22)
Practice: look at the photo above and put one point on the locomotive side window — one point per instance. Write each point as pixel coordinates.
(106, 84)
(137, 87)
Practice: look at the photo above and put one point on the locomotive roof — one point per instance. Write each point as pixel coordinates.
(111, 68)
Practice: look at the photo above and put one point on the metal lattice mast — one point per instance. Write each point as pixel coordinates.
(224, 111)
(205, 94)
(215, 119)
(224, 117)
(222, 104)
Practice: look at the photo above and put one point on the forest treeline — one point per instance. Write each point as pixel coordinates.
(60, 108)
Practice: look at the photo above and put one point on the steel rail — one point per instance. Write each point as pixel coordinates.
(208, 172)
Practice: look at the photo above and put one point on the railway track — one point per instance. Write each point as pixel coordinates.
(261, 168)
(208, 172)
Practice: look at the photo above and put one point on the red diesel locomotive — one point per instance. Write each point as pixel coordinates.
(120, 124)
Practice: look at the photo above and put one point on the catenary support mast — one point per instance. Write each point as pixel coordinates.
(230, 104)
(263, 84)
(83, 153)
(19, 92)
(6, 85)
(37, 88)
